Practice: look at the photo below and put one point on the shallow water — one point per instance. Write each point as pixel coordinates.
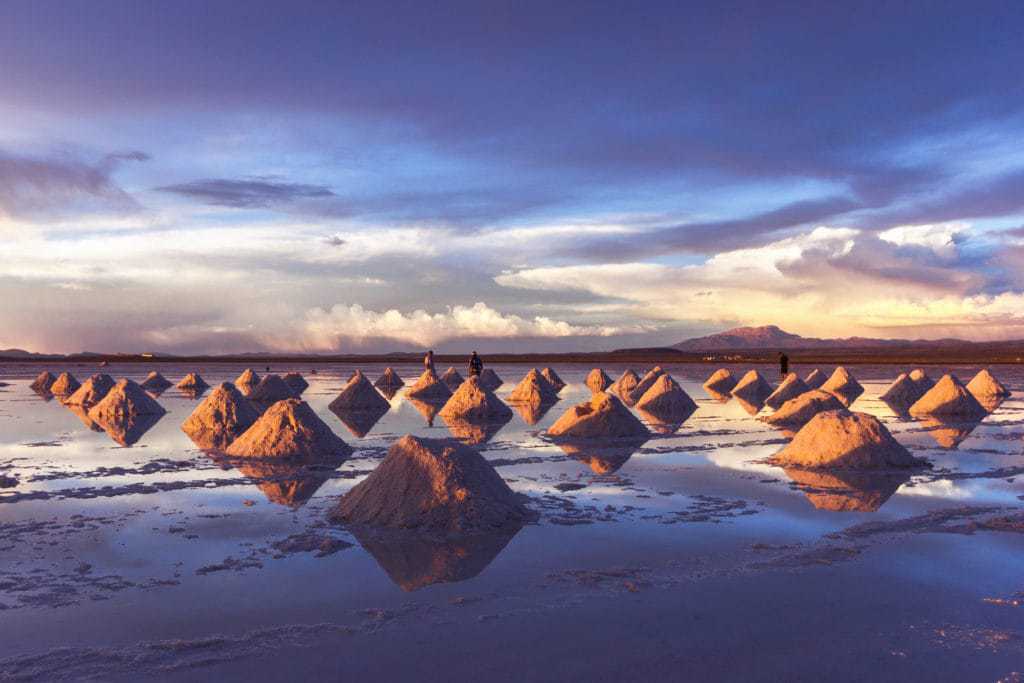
(689, 557)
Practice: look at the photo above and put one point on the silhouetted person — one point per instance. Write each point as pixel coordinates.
(428, 361)
(476, 366)
(266, 369)
(783, 364)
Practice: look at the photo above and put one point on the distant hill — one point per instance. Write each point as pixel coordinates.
(771, 337)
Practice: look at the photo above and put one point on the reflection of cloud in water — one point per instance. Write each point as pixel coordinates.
(415, 560)
(128, 430)
(473, 432)
(948, 434)
(847, 491)
(941, 488)
(605, 456)
(290, 481)
(359, 422)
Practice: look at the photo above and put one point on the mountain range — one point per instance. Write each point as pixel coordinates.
(771, 337)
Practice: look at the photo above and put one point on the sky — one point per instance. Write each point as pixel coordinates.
(213, 177)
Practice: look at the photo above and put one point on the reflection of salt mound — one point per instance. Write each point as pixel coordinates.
(553, 379)
(271, 389)
(291, 482)
(532, 413)
(667, 401)
(489, 378)
(843, 385)
(948, 398)
(389, 381)
(643, 385)
(840, 439)
(598, 380)
(601, 417)
(414, 561)
(752, 388)
(720, 382)
(126, 412)
(83, 415)
(798, 411)
(359, 395)
(815, 378)
(849, 491)
(64, 385)
(359, 422)
(452, 378)
(428, 409)
(43, 381)
(248, 378)
(193, 382)
(533, 389)
(985, 386)
(475, 432)
(155, 382)
(790, 388)
(433, 485)
(92, 391)
(475, 403)
(624, 384)
(220, 418)
(949, 433)
(288, 428)
(429, 388)
(604, 457)
(296, 382)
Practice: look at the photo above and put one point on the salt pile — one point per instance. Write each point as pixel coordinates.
(429, 388)
(126, 412)
(389, 381)
(193, 382)
(667, 401)
(790, 388)
(815, 378)
(922, 380)
(602, 416)
(948, 398)
(452, 378)
(489, 378)
(798, 411)
(840, 439)
(43, 381)
(985, 386)
(155, 382)
(474, 402)
(721, 381)
(752, 388)
(359, 395)
(533, 389)
(289, 428)
(597, 380)
(643, 385)
(553, 379)
(64, 385)
(92, 391)
(248, 378)
(221, 418)
(844, 386)
(624, 384)
(271, 389)
(902, 393)
(432, 485)
(296, 382)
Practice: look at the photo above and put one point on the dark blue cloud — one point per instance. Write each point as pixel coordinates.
(247, 193)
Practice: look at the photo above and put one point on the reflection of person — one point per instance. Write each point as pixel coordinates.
(476, 366)
(783, 364)
(428, 361)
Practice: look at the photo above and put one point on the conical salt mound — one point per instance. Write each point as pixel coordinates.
(533, 389)
(221, 418)
(296, 382)
(602, 416)
(64, 385)
(790, 388)
(489, 378)
(389, 381)
(922, 380)
(359, 395)
(452, 378)
(902, 393)
(92, 391)
(474, 402)
(271, 389)
(815, 378)
(155, 382)
(553, 379)
(123, 401)
(289, 428)
(797, 411)
(597, 380)
(721, 381)
(429, 388)
(666, 400)
(844, 386)
(986, 386)
(434, 485)
(643, 385)
(192, 382)
(752, 388)
(43, 381)
(842, 440)
(948, 398)
(624, 384)
(248, 378)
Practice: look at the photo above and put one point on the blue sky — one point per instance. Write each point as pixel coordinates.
(218, 176)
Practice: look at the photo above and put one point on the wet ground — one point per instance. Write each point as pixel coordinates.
(688, 558)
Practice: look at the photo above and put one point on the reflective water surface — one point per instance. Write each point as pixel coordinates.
(127, 552)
